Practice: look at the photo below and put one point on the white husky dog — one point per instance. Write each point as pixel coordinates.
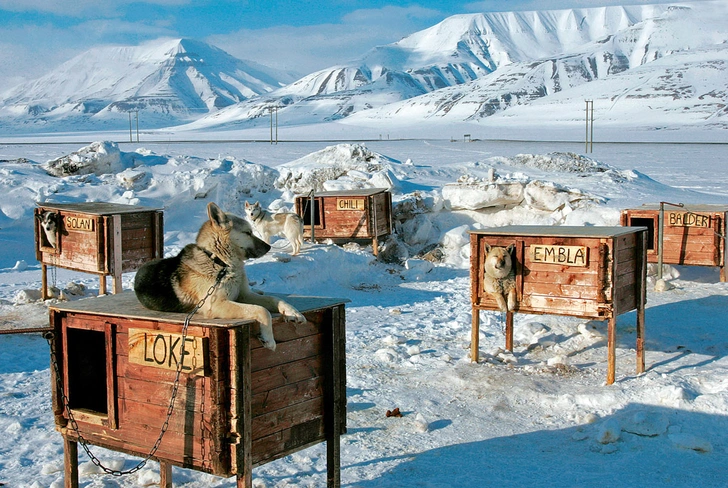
(284, 224)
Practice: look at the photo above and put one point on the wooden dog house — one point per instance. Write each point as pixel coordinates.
(587, 272)
(238, 405)
(347, 215)
(106, 239)
(692, 235)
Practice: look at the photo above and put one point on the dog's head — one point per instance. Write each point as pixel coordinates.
(252, 211)
(49, 222)
(229, 237)
(498, 262)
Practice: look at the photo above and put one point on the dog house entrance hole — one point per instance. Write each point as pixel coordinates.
(86, 362)
(650, 224)
(316, 212)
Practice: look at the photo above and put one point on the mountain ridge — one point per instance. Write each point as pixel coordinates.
(467, 68)
(172, 78)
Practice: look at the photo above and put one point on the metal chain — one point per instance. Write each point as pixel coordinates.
(203, 451)
(74, 425)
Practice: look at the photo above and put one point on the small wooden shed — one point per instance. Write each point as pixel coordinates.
(347, 215)
(237, 404)
(106, 239)
(588, 272)
(692, 235)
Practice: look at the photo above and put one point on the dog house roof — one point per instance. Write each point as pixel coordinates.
(126, 304)
(558, 231)
(97, 208)
(364, 192)
(687, 207)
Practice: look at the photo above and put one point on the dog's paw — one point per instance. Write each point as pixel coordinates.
(290, 314)
(268, 344)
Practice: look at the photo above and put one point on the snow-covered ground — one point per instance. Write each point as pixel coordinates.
(541, 416)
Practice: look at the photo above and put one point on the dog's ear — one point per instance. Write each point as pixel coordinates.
(510, 248)
(247, 205)
(486, 247)
(217, 216)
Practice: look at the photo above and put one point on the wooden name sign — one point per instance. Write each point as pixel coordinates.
(687, 219)
(350, 204)
(564, 255)
(74, 222)
(164, 350)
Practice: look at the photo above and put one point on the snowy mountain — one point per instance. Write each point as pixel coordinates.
(471, 67)
(659, 66)
(672, 64)
(167, 82)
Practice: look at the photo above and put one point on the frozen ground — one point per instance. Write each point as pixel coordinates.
(539, 417)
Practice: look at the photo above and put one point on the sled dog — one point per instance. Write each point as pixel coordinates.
(284, 224)
(179, 283)
(499, 278)
(50, 223)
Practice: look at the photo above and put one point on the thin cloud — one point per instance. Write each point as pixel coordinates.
(76, 8)
(311, 48)
(500, 6)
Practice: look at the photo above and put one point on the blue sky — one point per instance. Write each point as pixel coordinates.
(296, 36)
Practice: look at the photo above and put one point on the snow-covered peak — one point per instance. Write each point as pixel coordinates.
(173, 78)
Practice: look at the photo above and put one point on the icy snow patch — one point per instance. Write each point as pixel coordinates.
(97, 158)
(340, 167)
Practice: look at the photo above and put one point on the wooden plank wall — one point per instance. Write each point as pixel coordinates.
(567, 290)
(343, 223)
(373, 221)
(382, 214)
(628, 284)
(143, 395)
(288, 388)
(685, 245)
(545, 288)
(142, 240)
(142, 236)
(80, 250)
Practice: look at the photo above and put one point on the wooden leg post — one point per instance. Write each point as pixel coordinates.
(116, 284)
(243, 412)
(44, 281)
(641, 340)
(334, 402)
(475, 336)
(641, 310)
(509, 331)
(611, 349)
(165, 475)
(102, 285)
(70, 463)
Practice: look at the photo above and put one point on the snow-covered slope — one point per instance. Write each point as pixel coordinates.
(658, 66)
(166, 81)
(470, 67)
(672, 66)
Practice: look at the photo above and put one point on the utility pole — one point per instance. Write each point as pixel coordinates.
(131, 138)
(137, 124)
(272, 109)
(589, 126)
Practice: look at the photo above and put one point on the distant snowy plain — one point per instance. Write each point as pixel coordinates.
(541, 416)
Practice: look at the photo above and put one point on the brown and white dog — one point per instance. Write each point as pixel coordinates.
(499, 277)
(179, 283)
